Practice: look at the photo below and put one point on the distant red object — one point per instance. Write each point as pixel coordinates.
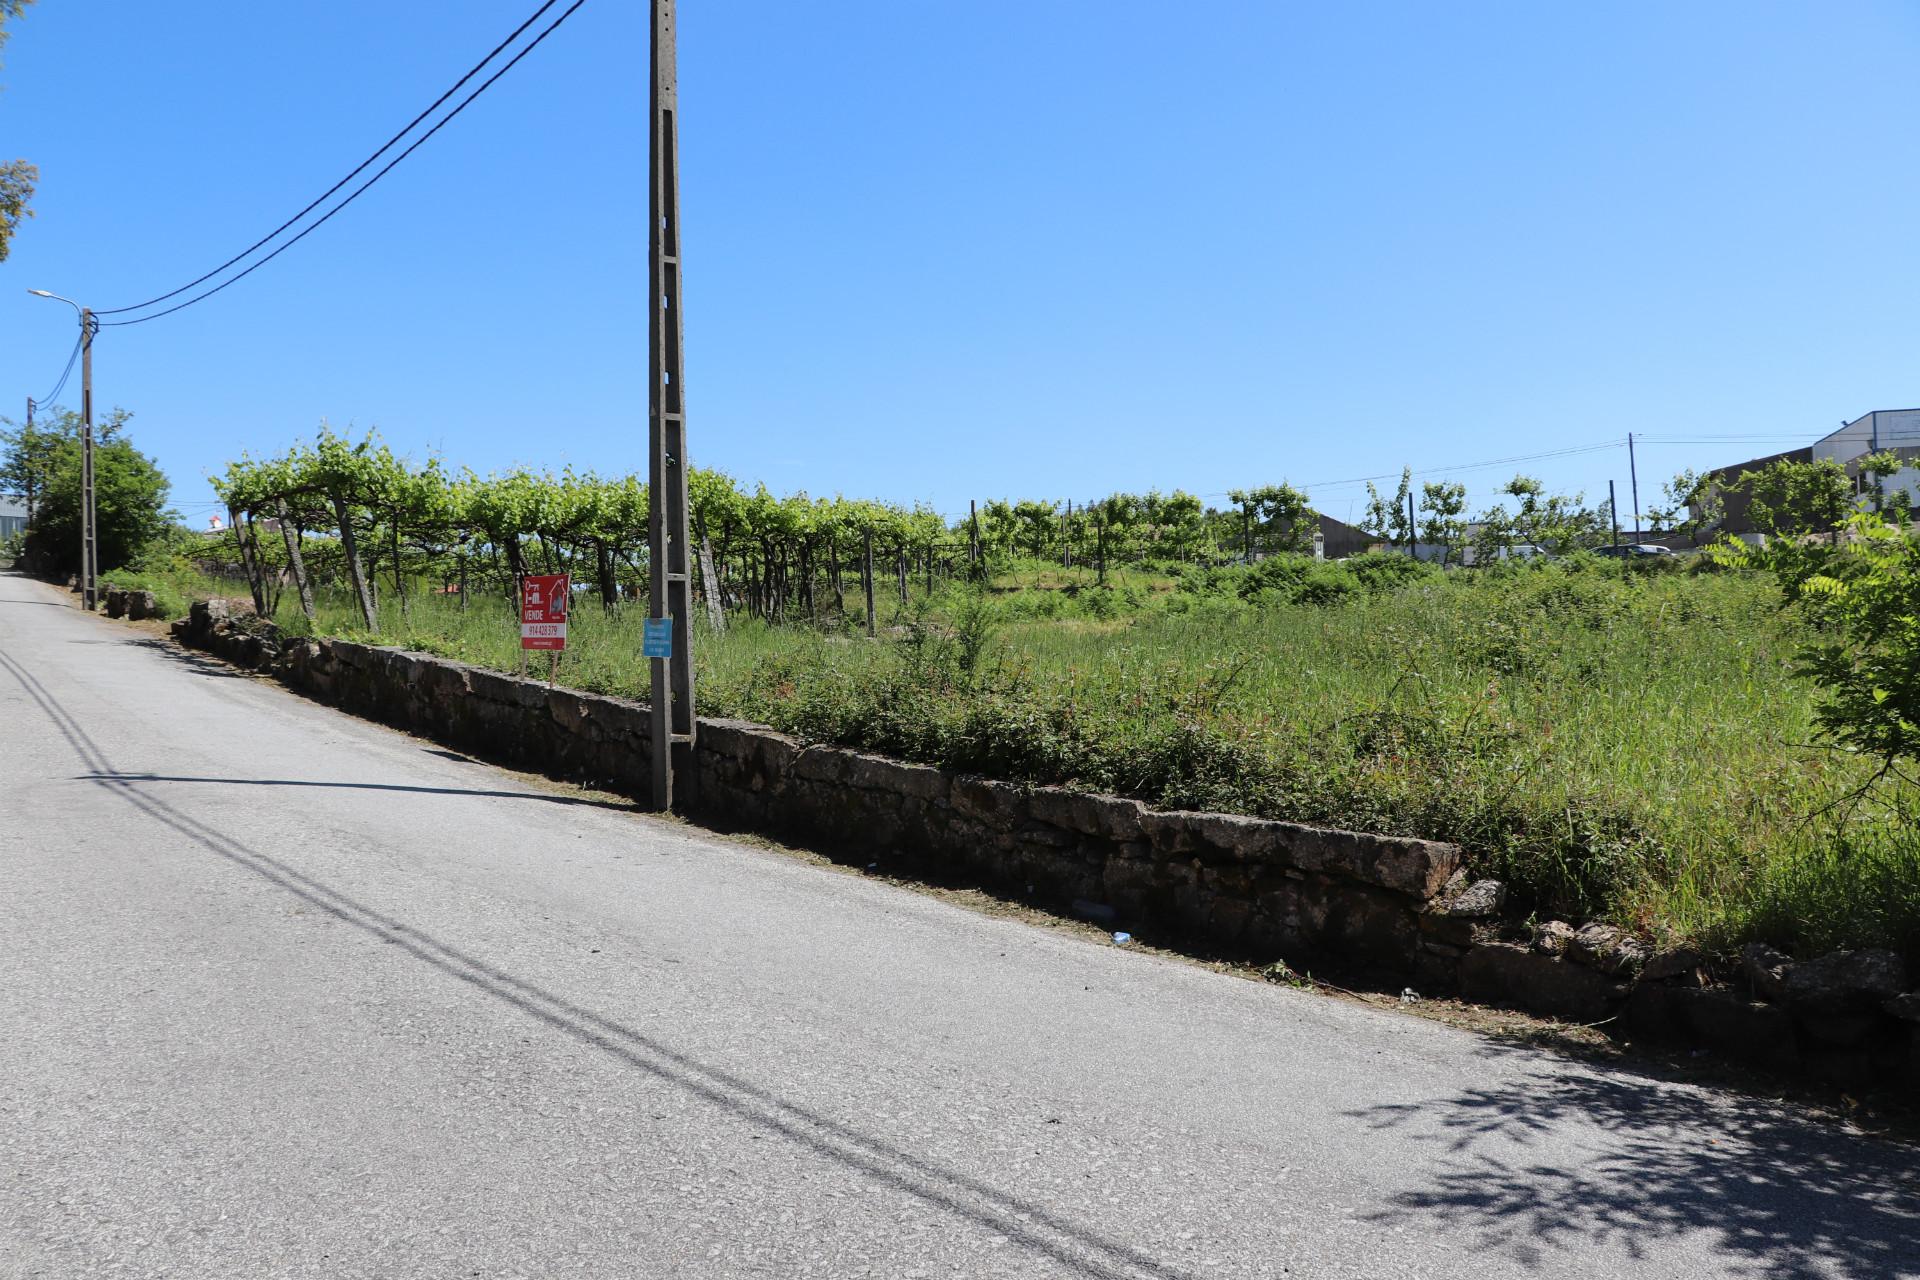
(543, 611)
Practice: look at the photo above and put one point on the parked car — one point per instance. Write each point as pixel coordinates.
(1632, 550)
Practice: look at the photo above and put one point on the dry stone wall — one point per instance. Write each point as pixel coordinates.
(1235, 885)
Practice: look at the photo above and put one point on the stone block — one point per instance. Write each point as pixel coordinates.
(1721, 1021)
(1242, 838)
(1609, 949)
(1682, 965)
(1108, 817)
(1845, 982)
(1171, 832)
(1766, 969)
(734, 739)
(993, 804)
(898, 778)
(1417, 868)
(1480, 900)
(1504, 974)
(822, 764)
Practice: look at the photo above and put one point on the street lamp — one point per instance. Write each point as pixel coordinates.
(89, 543)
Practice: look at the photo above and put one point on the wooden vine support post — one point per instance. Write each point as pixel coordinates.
(866, 577)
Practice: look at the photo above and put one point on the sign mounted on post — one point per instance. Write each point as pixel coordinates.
(543, 611)
(656, 640)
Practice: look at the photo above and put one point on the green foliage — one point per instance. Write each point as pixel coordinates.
(1789, 499)
(1390, 519)
(1275, 518)
(1867, 658)
(130, 495)
(27, 453)
(17, 177)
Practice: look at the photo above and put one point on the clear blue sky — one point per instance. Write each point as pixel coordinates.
(939, 250)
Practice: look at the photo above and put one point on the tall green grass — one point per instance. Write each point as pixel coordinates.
(1608, 743)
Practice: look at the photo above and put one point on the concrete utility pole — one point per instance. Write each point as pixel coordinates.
(669, 584)
(89, 542)
(1633, 478)
(29, 495)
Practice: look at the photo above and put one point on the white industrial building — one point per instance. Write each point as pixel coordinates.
(1896, 429)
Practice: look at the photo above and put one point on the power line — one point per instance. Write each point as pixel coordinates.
(1472, 466)
(361, 189)
(65, 373)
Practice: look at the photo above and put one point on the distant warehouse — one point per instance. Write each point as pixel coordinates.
(1895, 431)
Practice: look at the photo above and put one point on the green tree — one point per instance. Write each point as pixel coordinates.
(17, 177)
(1693, 505)
(26, 460)
(1791, 499)
(1868, 660)
(1883, 466)
(1390, 520)
(1445, 507)
(129, 505)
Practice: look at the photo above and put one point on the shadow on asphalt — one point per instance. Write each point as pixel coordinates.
(1074, 1249)
(198, 664)
(622, 807)
(1787, 1200)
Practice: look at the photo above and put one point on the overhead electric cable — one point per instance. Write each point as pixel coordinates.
(1471, 466)
(65, 373)
(357, 191)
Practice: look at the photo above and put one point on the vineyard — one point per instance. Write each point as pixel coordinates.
(1605, 740)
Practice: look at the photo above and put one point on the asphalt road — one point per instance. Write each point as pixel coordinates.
(286, 994)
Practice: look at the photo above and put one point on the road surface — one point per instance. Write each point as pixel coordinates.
(287, 994)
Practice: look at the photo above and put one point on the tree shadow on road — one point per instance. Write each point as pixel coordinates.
(1776, 1195)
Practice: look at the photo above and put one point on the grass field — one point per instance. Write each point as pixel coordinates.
(1608, 743)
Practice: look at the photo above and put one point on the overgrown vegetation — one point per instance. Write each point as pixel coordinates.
(1610, 742)
(42, 464)
(1712, 750)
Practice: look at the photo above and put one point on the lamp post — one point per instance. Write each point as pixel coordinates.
(89, 545)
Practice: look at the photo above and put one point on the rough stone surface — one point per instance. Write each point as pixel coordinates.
(1235, 881)
(1606, 948)
(1478, 901)
(1846, 982)
(1257, 887)
(1766, 969)
(1504, 974)
(1720, 1021)
(1682, 965)
(1551, 938)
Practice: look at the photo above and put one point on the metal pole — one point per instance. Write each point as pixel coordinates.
(1613, 513)
(669, 584)
(1633, 476)
(89, 534)
(1413, 536)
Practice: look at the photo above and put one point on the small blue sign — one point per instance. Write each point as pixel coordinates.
(656, 640)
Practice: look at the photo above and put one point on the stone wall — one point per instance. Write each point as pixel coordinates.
(1242, 886)
(136, 605)
(1235, 886)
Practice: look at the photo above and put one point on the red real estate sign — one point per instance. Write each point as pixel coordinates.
(543, 611)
